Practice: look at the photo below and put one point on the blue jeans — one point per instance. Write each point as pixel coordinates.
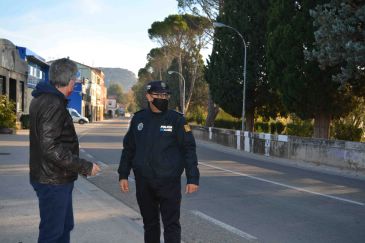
(56, 213)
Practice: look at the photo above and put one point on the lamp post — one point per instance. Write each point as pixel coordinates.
(221, 25)
(183, 96)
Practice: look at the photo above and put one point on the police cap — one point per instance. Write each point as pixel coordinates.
(157, 87)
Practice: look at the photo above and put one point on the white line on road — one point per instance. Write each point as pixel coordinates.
(226, 226)
(89, 155)
(284, 185)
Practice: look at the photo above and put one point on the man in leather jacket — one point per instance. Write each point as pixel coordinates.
(54, 152)
(159, 146)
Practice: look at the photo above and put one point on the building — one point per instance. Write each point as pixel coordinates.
(112, 106)
(37, 72)
(89, 96)
(13, 76)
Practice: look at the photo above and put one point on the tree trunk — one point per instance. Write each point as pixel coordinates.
(213, 111)
(322, 126)
(249, 121)
(181, 84)
(191, 88)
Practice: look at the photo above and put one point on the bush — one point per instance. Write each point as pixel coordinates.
(272, 127)
(261, 127)
(276, 127)
(347, 132)
(196, 115)
(25, 120)
(280, 127)
(228, 124)
(7, 113)
(225, 120)
(303, 129)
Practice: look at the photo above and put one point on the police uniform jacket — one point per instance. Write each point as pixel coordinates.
(159, 145)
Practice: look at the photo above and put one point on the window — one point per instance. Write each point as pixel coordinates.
(74, 114)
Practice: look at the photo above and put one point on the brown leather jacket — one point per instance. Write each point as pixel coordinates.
(54, 147)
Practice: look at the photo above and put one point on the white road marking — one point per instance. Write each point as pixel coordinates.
(284, 185)
(89, 155)
(226, 226)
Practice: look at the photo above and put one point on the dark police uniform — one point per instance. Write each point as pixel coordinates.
(158, 147)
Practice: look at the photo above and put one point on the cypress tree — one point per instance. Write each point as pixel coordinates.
(224, 71)
(305, 90)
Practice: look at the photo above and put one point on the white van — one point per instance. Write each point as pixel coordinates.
(76, 117)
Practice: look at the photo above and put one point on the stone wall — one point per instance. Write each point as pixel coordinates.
(336, 153)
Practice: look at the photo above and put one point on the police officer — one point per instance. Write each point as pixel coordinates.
(159, 145)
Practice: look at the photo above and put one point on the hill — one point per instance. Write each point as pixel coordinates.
(120, 76)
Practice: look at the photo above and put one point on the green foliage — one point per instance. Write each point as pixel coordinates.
(305, 90)
(228, 124)
(346, 132)
(262, 127)
(197, 115)
(117, 90)
(224, 71)
(181, 38)
(7, 113)
(300, 129)
(177, 31)
(225, 120)
(276, 127)
(279, 128)
(25, 120)
(340, 41)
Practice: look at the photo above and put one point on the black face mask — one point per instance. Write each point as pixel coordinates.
(161, 104)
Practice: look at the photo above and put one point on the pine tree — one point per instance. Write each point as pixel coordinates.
(340, 41)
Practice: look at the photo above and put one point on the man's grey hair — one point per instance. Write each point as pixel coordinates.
(62, 71)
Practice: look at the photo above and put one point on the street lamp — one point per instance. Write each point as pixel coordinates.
(221, 25)
(183, 97)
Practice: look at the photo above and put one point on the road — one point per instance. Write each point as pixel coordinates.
(244, 198)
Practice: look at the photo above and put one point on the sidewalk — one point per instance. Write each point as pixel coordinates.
(98, 216)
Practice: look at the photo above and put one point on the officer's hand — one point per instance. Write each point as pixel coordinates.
(96, 169)
(190, 188)
(123, 184)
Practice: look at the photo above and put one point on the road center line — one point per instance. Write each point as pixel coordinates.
(226, 226)
(284, 185)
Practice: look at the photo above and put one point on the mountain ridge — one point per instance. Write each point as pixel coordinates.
(124, 77)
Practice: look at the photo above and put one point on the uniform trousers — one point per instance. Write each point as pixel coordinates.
(155, 197)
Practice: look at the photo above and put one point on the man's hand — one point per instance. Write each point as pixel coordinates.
(190, 188)
(124, 186)
(95, 170)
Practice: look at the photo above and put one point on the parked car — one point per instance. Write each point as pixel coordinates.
(76, 117)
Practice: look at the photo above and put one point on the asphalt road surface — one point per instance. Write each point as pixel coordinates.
(244, 198)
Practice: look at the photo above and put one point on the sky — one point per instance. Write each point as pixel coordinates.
(109, 33)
